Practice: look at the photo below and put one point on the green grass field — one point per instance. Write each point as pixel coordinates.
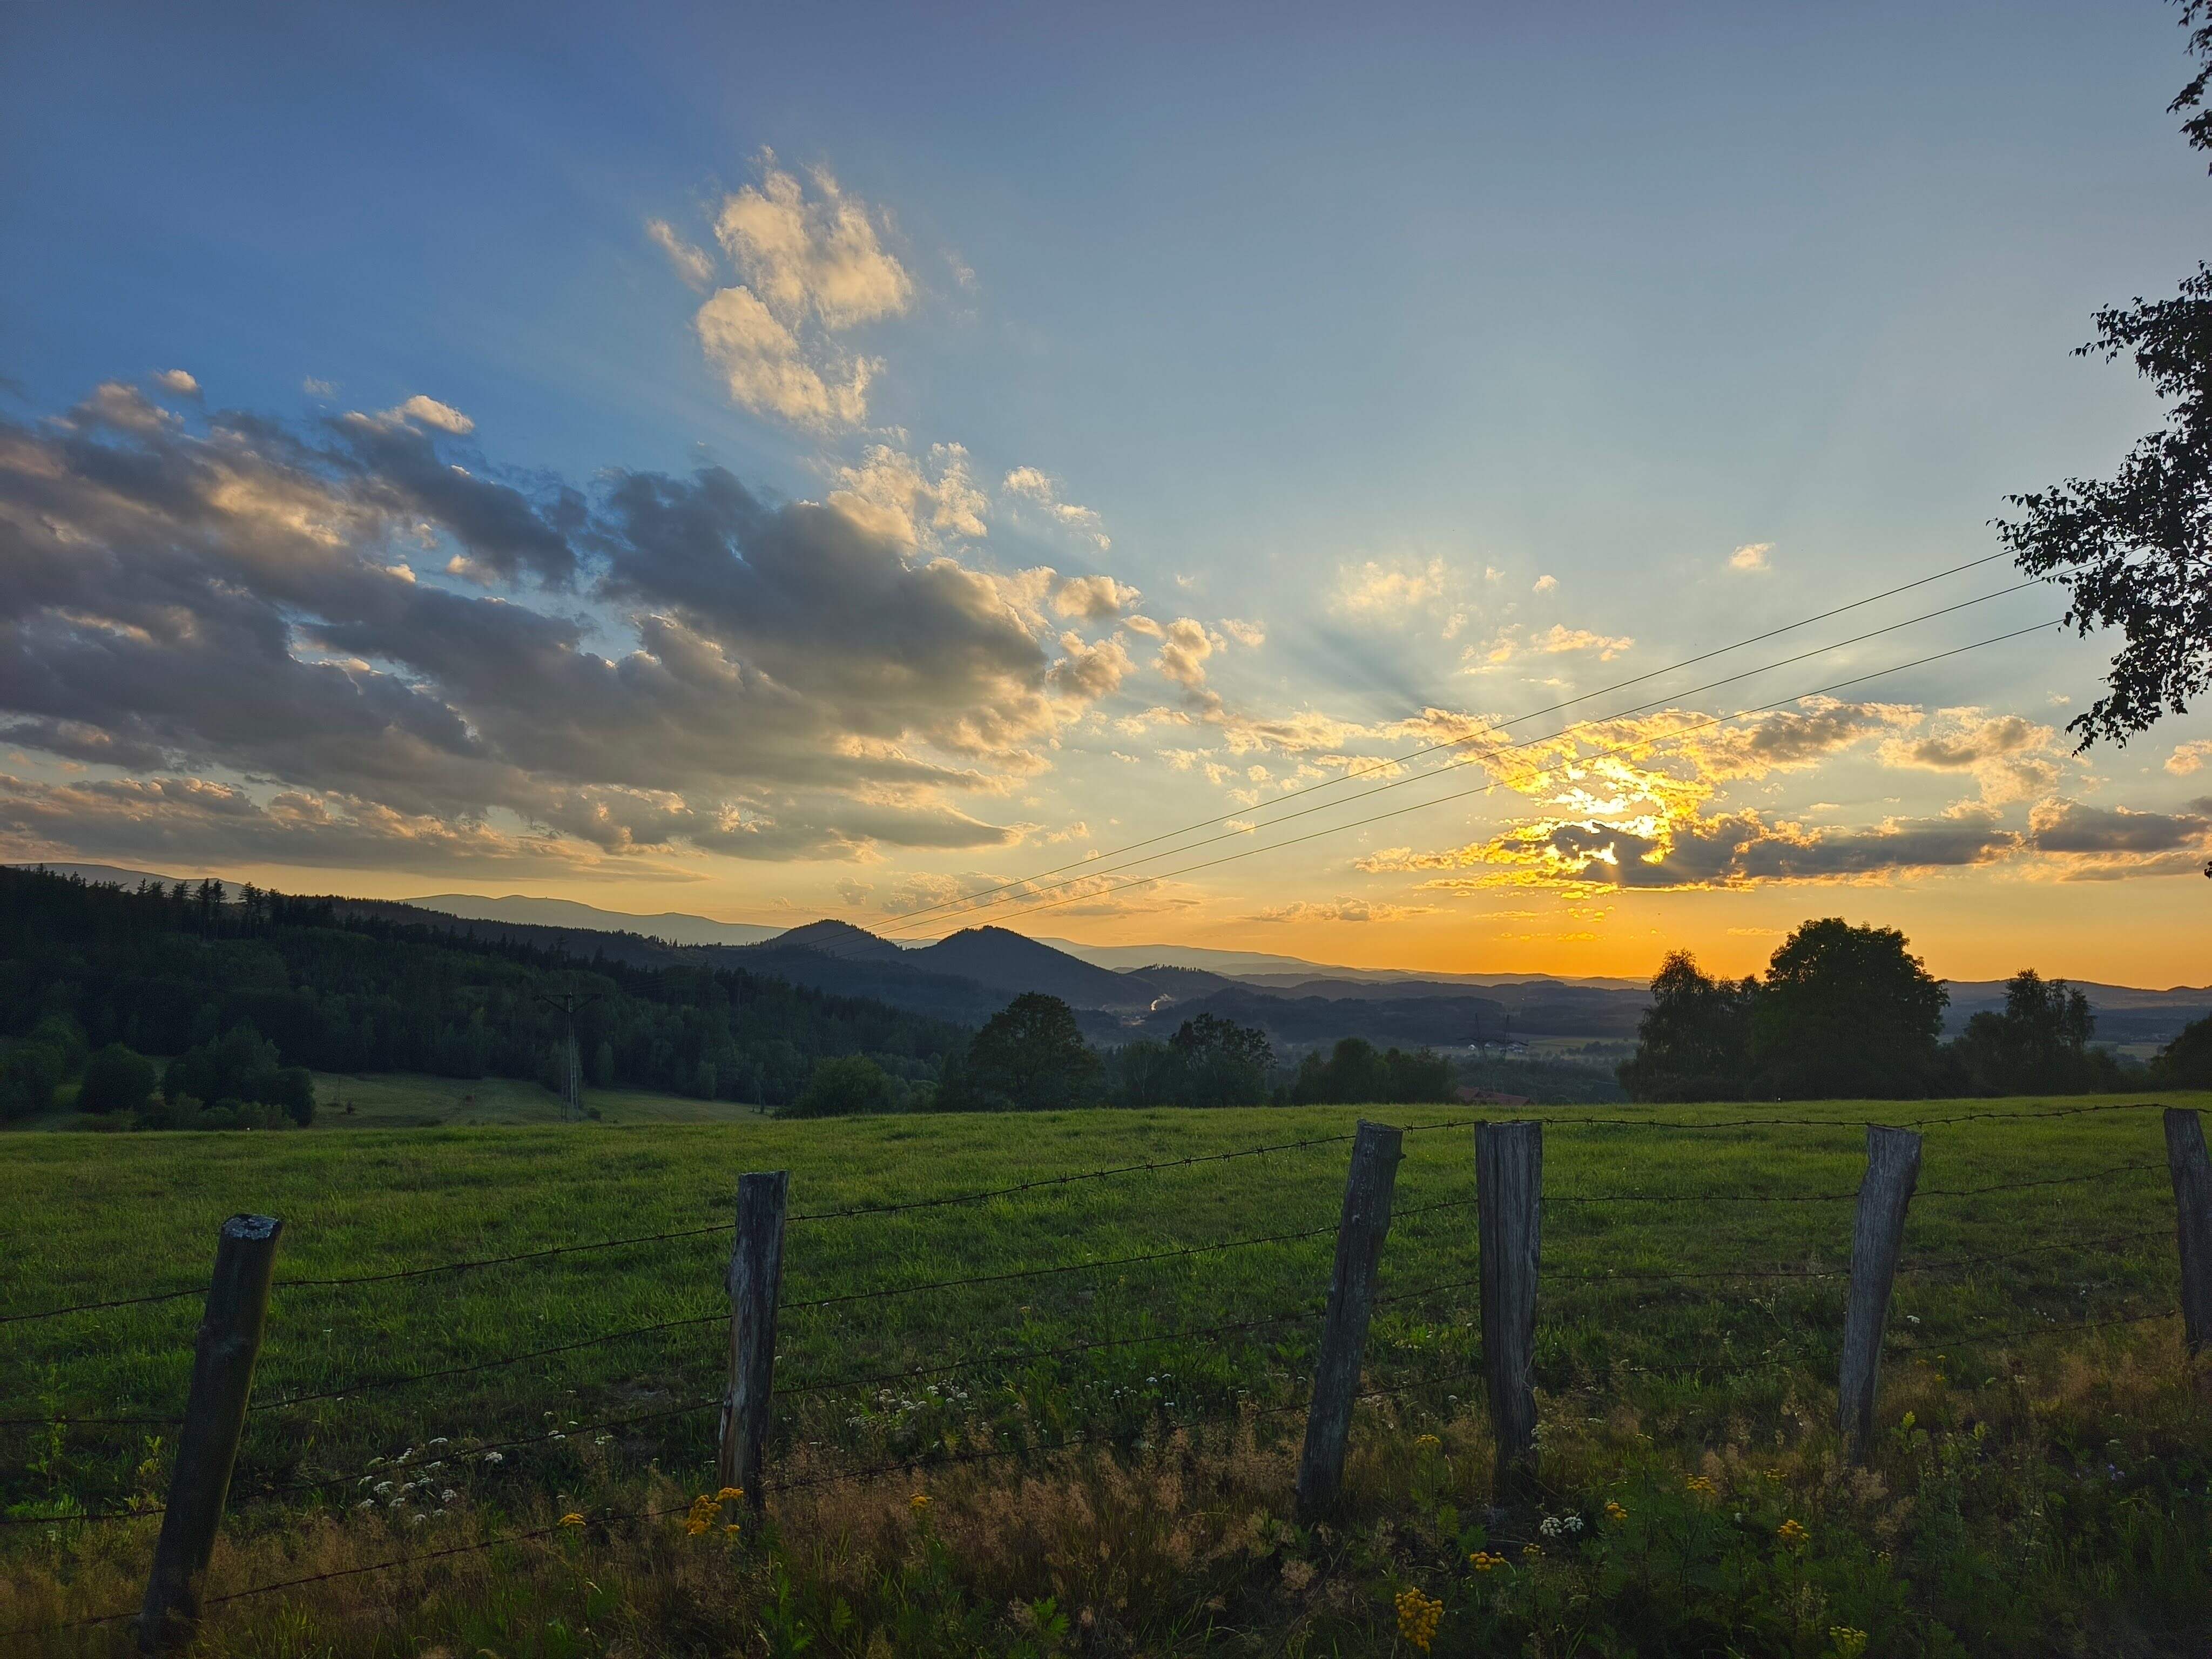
(1680, 1295)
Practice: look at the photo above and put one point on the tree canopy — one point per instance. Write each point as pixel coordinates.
(2135, 550)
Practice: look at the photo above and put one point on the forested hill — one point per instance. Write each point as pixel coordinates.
(339, 990)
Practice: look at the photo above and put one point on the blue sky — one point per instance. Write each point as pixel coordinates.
(1342, 328)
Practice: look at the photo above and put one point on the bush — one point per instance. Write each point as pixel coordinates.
(1355, 1074)
(29, 1072)
(116, 1079)
(842, 1086)
(2186, 1062)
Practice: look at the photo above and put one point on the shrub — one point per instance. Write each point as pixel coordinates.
(28, 1074)
(2186, 1062)
(116, 1079)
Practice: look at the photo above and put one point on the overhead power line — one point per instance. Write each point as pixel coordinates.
(1384, 765)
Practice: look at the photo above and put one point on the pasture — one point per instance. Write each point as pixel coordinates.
(2046, 1493)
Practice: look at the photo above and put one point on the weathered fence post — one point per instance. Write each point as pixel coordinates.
(2191, 1171)
(1360, 1231)
(1877, 1241)
(756, 1283)
(229, 1342)
(1509, 1188)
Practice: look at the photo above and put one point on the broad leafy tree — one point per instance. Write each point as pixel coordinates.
(1029, 1056)
(1845, 1013)
(1694, 1041)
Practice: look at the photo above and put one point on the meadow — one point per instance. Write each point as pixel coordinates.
(1098, 1459)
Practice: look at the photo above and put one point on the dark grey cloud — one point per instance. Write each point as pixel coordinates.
(1736, 850)
(236, 599)
(2070, 826)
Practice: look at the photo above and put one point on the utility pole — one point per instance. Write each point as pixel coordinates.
(572, 1068)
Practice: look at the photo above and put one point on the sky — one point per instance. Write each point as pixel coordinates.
(933, 466)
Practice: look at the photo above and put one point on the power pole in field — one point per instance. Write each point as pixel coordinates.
(571, 1067)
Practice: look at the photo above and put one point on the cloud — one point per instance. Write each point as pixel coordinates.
(2068, 826)
(2189, 758)
(1377, 589)
(1558, 640)
(892, 493)
(1728, 850)
(1250, 635)
(1029, 483)
(1184, 646)
(315, 388)
(2008, 756)
(766, 370)
(693, 668)
(820, 256)
(178, 383)
(1751, 556)
(1545, 584)
(691, 263)
(1093, 599)
(429, 411)
(1342, 909)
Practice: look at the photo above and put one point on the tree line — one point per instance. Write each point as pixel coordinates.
(1849, 1012)
(167, 970)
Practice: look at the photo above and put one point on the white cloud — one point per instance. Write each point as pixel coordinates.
(766, 370)
(178, 382)
(1029, 483)
(1343, 910)
(1751, 556)
(691, 262)
(1250, 635)
(1094, 598)
(2189, 758)
(1556, 641)
(892, 494)
(315, 388)
(822, 257)
(1184, 647)
(429, 411)
(1545, 584)
(1377, 589)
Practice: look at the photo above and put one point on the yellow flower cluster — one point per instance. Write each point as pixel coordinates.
(1699, 1485)
(1614, 1512)
(707, 1512)
(919, 1502)
(1848, 1643)
(1791, 1532)
(1484, 1561)
(1426, 1443)
(571, 1519)
(1532, 1551)
(1418, 1617)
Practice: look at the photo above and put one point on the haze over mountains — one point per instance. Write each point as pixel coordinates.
(1120, 992)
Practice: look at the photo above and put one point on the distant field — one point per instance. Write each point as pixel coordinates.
(1680, 1266)
(409, 1102)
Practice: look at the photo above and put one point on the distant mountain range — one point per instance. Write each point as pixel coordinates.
(1130, 990)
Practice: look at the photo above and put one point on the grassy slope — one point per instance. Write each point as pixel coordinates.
(91, 1217)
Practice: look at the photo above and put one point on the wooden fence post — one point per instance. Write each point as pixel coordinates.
(1509, 1187)
(755, 1284)
(1877, 1241)
(2191, 1171)
(229, 1342)
(1360, 1231)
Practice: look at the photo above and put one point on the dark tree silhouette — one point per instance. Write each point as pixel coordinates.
(2135, 552)
(1029, 1056)
(1846, 1011)
(1694, 1041)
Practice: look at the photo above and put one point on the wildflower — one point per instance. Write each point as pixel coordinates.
(919, 1502)
(366, 1504)
(732, 1529)
(1791, 1532)
(441, 1441)
(1484, 1561)
(1699, 1485)
(1614, 1512)
(1848, 1643)
(382, 1488)
(1532, 1551)
(447, 1495)
(573, 1518)
(494, 1457)
(1418, 1617)
(705, 1511)
(1426, 1441)
(730, 1495)
(1551, 1526)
